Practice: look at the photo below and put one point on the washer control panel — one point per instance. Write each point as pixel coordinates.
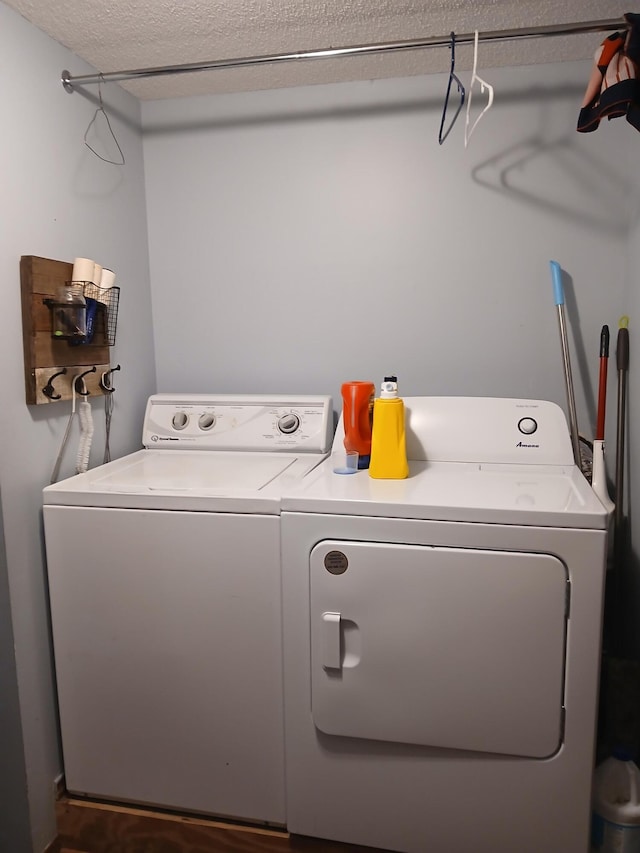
(236, 422)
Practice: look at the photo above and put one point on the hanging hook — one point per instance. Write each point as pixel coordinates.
(49, 390)
(105, 380)
(80, 387)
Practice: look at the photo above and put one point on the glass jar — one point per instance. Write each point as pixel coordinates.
(69, 313)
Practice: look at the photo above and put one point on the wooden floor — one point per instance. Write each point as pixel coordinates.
(86, 826)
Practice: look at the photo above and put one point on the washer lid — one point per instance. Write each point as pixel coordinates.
(544, 495)
(187, 480)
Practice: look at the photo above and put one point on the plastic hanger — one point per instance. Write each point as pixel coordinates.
(483, 86)
(442, 134)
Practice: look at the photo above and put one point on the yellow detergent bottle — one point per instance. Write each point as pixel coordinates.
(388, 443)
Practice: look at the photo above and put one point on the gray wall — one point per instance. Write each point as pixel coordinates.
(631, 565)
(15, 833)
(300, 238)
(58, 201)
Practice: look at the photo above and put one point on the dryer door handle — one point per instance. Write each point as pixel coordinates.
(331, 641)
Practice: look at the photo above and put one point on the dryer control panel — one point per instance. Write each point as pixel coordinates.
(237, 422)
(484, 430)
(487, 430)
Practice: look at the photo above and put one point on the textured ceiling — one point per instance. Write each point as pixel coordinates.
(116, 35)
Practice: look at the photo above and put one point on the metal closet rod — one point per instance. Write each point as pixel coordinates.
(70, 82)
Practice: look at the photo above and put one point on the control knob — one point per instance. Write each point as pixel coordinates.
(527, 426)
(207, 421)
(180, 420)
(289, 423)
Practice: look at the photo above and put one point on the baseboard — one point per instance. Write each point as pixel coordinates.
(95, 827)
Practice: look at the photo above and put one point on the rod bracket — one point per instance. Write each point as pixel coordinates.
(66, 81)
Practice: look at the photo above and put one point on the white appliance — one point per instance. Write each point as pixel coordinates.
(442, 638)
(164, 578)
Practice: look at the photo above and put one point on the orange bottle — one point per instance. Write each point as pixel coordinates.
(357, 410)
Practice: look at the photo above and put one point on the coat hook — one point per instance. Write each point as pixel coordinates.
(79, 382)
(49, 390)
(105, 380)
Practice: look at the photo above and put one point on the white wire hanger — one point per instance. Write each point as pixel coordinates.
(484, 86)
(101, 110)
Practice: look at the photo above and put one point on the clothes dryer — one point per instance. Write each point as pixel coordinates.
(164, 578)
(442, 638)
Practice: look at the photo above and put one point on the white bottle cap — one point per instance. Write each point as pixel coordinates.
(389, 389)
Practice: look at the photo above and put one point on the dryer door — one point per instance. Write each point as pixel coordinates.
(448, 647)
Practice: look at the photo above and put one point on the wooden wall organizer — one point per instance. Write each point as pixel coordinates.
(40, 279)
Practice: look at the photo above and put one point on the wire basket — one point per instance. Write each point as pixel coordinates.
(107, 300)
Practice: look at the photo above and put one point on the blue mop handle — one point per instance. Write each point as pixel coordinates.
(556, 277)
(558, 293)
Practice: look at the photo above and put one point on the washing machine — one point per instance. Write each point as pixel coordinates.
(442, 638)
(165, 591)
